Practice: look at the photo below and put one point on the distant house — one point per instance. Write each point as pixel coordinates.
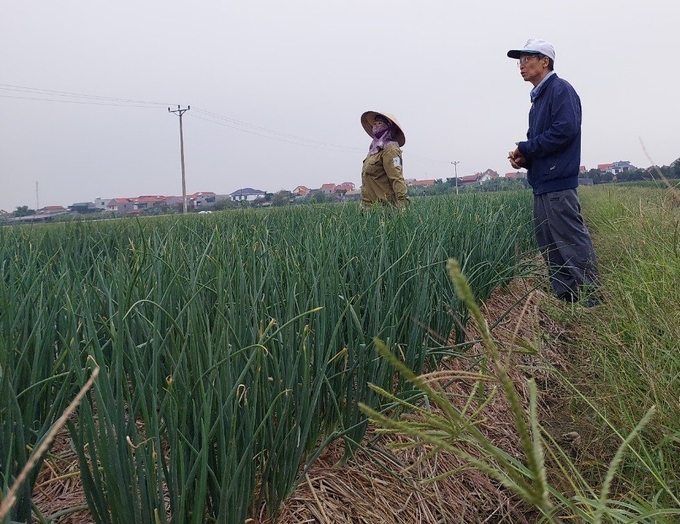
(45, 214)
(174, 201)
(614, 168)
(246, 194)
(148, 202)
(621, 166)
(101, 203)
(300, 191)
(219, 198)
(479, 177)
(51, 210)
(422, 183)
(516, 175)
(489, 174)
(470, 179)
(120, 205)
(327, 189)
(343, 189)
(201, 199)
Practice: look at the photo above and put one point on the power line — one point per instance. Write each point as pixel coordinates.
(76, 102)
(288, 138)
(283, 137)
(48, 95)
(67, 94)
(238, 124)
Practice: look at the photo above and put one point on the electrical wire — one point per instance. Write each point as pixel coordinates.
(50, 92)
(48, 95)
(75, 102)
(272, 134)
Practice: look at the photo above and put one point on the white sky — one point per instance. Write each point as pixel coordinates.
(276, 89)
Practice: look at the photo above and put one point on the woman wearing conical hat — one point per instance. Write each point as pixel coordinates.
(382, 177)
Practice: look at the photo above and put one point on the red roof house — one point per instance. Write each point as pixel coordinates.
(343, 188)
(468, 179)
(300, 191)
(427, 182)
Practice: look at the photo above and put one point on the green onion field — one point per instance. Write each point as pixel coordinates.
(232, 347)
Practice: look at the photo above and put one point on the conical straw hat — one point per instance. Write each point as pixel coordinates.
(368, 119)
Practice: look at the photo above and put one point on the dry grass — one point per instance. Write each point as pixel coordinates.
(395, 492)
(388, 486)
(58, 487)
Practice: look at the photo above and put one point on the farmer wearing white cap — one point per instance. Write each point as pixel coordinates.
(551, 155)
(382, 176)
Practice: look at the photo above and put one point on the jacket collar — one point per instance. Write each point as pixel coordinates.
(536, 91)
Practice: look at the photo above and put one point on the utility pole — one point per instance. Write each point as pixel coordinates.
(37, 198)
(179, 112)
(455, 170)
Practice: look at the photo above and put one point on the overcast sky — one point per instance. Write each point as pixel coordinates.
(276, 89)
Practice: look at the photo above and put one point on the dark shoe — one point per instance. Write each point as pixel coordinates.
(592, 300)
(568, 296)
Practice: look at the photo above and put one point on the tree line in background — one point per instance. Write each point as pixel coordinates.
(633, 175)
(440, 187)
(449, 186)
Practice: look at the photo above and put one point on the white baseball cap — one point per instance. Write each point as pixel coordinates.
(534, 47)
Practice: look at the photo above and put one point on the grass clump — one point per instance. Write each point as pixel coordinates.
(562, 494)
(632, 352)
(624, 381)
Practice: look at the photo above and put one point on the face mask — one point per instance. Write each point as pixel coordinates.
(379, 127)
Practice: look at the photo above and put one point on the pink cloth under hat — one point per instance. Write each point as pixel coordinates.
(534, 47)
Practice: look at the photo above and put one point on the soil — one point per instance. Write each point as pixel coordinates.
(388, 486)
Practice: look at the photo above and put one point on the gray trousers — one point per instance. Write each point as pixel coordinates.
(565, 243)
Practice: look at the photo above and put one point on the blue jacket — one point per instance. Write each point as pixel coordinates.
(553, 146)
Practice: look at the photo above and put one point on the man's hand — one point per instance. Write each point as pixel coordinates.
(516, 159)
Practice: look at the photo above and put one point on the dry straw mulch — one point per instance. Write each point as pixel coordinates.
(58, 487)
(364, 491)
(382, 486)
